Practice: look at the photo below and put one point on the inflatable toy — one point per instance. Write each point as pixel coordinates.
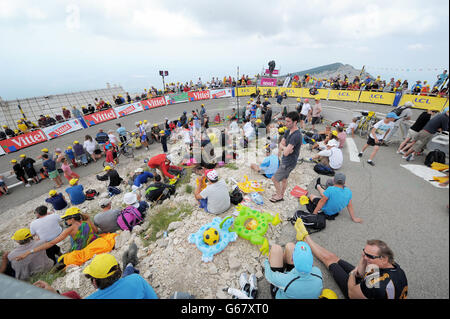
(257, 198)
(210, 243)
(249, 186)
(252, 225)
(304, 200)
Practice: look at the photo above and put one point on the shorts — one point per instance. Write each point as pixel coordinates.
(315, 120)
(143, 138)
(286, 268)
(31, 173)
(411, 134)
(422, 138)
(302, 117)
(371, 142)
(311, 206)
(340, 272)
(53, 174)
(2, 183)
(283, 172)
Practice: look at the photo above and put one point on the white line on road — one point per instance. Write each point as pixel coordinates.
(352, 150)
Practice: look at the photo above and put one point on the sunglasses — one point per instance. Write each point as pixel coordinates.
(371, 256)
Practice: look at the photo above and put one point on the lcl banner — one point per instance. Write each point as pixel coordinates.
(24, 140)
(127, 109)
(424, 102)
(344, 95)
(152, 103)
(100, 117)
(198, 95)
(62, 128)
(377, 97)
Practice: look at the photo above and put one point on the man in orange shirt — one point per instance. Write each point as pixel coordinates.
(162, 163)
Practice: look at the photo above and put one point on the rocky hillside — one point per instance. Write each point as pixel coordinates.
(332, 71)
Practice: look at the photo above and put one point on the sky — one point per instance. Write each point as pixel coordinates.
(54, 47)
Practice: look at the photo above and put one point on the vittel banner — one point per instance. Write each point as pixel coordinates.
(200, 95)
(62, 128)
(24, 140)
(100, 117)
(124, 110)
(152, 103)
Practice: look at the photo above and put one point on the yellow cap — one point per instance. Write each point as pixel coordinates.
(73, 181)
(107, 168)
(335, 133)
(100, 266)
(23, 155)
(145, 121)
(22, 234)
(69, 147)
(328, 294)
(304, 200)
(258, 121)
(13, 161)
(4, 126)
(52, 193)
(71, 212)
(140, 122)
(45, 150)
(75, 142)
(161, 132)
(155, 124)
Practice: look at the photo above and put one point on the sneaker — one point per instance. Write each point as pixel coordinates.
(27, 185)
(253, 286)
(301, 229)
(244, 283)
(317, 183)
(360, 154)
(371, 163)
(410, 158)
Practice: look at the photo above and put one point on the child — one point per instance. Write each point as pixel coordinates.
(68, 173)
(110, 157)
(71, 155)
(217, 119)
(20, 173)
(163, 139)
(341, 135)
(352, 127)
(3, 187)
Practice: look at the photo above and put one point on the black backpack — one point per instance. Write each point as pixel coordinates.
(313, 222)
(323, 170)
(399, 110)
(435, 156)
(236, 196)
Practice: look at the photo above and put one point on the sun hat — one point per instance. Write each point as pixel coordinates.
(70, 212)
(131, 199)
(23, 155)
(21, 234)
(13, 161)
(302, 257)
(100, 266)
(161, 132)
(73, 181)
(333, 143)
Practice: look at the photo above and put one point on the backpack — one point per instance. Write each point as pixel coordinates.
(128, 218)
(236, 196)
(323, 170)
(435, 156)
(399, 110)
(313, 223)
(113, 191)
(337, 123)
(90, 194)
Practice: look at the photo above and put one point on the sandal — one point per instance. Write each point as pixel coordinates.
(274, 200)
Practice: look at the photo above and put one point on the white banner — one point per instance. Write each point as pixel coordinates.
(286, 82)
(62, 128)
(217, 94)
(2, 152)
(127, 109)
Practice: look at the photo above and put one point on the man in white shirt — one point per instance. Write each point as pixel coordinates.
(249, 130)
(234, 127)
(214, 198)
(47, 227)
(305, 113)
(331, 156)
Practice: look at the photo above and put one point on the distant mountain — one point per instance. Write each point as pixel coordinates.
(330, 71)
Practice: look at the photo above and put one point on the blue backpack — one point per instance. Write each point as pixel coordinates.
(323, 170)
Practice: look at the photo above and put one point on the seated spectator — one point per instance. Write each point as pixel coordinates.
(269, 165)
(79, 152)
(333, 199)
(154, 191)
(331, 156)
(50, 120)
(214, 198)
(112, 175)
(2, 135)
(76, 192)
(46, 227)
(376, 261)
(133, 199)
(66, 113)
(42, 121)
(38, 262)
(3, 188)
(22, 126)
(162, 163)
(101, 137)
(76, 112)
(352, 127)
(91, 109)
(91, 148)
(20, 173)
(67, 171)
(9, 132)
(70, 155)
(105, 274)
(291, 273)
(57, 200)
(341, 136)
(141, 178)
(136, 139)
(85, 110)
(106, 220)
(418, 125)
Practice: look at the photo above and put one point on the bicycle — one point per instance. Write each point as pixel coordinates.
(365, 123)
(124, 149)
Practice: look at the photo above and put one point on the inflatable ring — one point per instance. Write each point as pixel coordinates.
(250, 186)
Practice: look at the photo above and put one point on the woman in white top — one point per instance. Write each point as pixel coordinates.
(90, 146)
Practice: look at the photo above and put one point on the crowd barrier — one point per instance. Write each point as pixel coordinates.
(25, 140)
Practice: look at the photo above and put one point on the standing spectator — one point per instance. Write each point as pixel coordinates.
(418, 125)
(76, 192)
(163, 139)
(404, 113)
(66, 113)
(20, 173)
(316, 113)
(268, 115)
(290, 150)
(142, 134)
(76, 112)
(122, 133)
(57, 200)
(305, 113)
(27, 164)
(80, 153)
(46, 227)
(415, 89)
(441, 78)
(377, 135)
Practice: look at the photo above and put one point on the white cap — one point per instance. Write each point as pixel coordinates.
(139, 170)
(333, 143)
(169, 157)
(104, 202)
(131, 199)
(212, 175)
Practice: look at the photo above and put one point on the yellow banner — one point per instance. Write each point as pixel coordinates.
(291, 92)
(424, 102)
(246, 91)
(377, 97)
(344, 95)
(265, 89)
(321, 94)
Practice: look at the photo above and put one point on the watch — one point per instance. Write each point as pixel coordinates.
(32, 251)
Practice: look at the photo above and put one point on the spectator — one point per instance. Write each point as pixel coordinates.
(67, 171)
(162, 163)
(27, 267)
(291, 273)
(91, 109)
(42, 121)
(66, 113)
(3, 188)
(20, 173)
(91, 147)
(112, 138)
(50, 120)
(316, 113)
(404, 113)
(333, 199)
(80, 153)
(418, 125)
(441, 78)
(105, 274)
(269, 165)
(154, 191)
(331, 156)
(106, 220)
(76, 192)
(2, 135)
(46, 227)
(376, 261)
(268, 115)
(437, 123)
(142, 134)
(305, 113)
(249, 130)
(112, 175)
(70, 155)
(27, 164)
(377, 135)
(101, 137)
(214, 198)
(76, 112)
(57, 200)
(22, 126)
(122, 133)
(141, 178)
(133, 199)
(416, 88)
(352, 127)
(290, 150)
(155, 132)
(341, 136)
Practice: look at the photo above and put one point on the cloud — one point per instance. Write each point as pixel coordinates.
(416, 47)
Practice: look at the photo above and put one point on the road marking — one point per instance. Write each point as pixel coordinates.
(352, 150)
(425, 172)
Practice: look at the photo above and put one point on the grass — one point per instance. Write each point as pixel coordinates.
(49, 277)
(162, 217)
(231, 166)
(186, 178)
(189, 189)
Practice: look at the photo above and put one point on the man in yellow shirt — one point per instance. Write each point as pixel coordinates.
(22, 126)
